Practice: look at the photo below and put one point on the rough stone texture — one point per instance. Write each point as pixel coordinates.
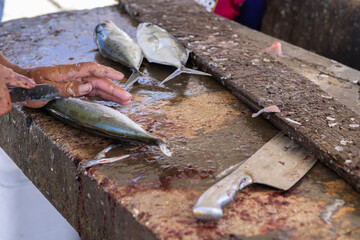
(239, 65)
(330, 28)
(149, 196)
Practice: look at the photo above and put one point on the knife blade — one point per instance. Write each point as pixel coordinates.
(280, 163)
(40, 92)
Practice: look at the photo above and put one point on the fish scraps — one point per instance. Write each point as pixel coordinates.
(269, 109)
(100, 158)
(275, 48)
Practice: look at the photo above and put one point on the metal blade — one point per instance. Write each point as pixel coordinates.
(280, 163)
(40, 92)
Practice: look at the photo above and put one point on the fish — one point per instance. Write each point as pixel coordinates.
(117, 45)
(101, 120)
(159, 46)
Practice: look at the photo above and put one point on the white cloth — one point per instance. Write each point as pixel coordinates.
(25, 214)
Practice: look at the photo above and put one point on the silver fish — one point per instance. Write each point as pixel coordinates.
(117, 45)
(161, 47)
(99, 119)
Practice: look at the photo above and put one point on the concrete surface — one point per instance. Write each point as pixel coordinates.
(149, 196)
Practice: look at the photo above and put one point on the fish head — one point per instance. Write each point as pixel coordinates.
(104, 28)
(145, 28)
(101, 30)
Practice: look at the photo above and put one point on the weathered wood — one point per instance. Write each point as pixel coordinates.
(239, 65)
(330, 28)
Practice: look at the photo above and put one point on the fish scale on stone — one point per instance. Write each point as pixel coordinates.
(161, 47)
(117, 45)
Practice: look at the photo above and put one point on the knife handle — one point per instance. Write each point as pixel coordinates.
(209, 205)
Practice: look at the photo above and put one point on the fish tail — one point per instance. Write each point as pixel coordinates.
(183, 69)
(134, 77)
(171, 76)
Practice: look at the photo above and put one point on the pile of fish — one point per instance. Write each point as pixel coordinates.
(158, 46)
(155, 43)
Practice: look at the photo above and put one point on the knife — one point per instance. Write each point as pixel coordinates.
(280, 163)
(40, 92)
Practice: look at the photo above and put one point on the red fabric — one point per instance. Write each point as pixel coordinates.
(229, 9)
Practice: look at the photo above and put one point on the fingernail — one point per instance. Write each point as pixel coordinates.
(128, 95)
(85, 88)
(32, 81)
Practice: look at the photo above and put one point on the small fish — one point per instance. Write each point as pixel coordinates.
(161, 47)
(101, 120)
(117, 45)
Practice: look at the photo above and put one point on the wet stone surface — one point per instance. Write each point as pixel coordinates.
(148, 195)
(239, 64)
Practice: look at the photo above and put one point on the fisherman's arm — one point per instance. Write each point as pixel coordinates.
(81, 79)
(10, 78)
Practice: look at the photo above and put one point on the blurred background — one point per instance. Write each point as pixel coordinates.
(19, 8)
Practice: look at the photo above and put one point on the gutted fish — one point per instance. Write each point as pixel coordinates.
(117, 45)
(161, 47)
(99, 119)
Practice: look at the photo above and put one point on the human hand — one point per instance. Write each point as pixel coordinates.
(81, 79)
(9, 78)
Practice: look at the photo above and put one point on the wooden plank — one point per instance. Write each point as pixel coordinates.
(239, 65)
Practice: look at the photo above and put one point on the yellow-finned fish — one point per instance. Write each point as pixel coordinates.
(161, 47)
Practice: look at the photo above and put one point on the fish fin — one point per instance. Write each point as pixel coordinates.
(171, 76)
(188, 51)
(183, 69)
(94, 50)
(134, 77)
